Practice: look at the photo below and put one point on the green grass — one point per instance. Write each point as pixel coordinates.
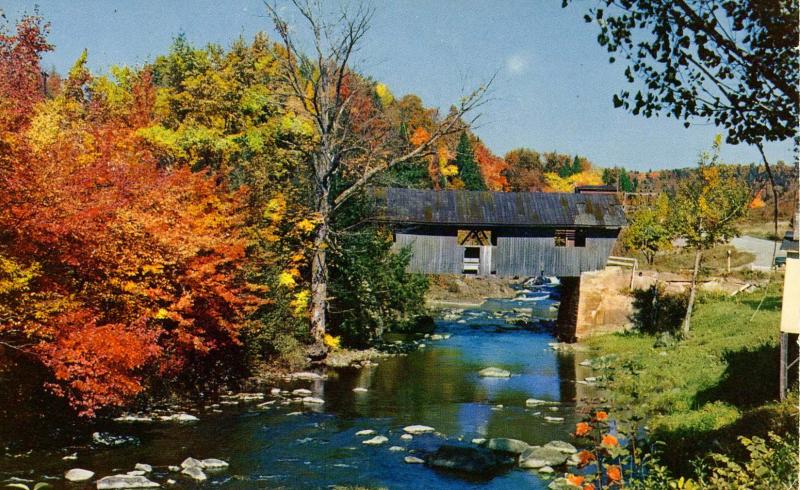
(702, 392)
(714, 261)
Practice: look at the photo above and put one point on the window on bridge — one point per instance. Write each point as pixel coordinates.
(472, 260)
(569, 238)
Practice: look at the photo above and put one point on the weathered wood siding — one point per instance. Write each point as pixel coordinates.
(519, 252)
(432, 254)
(529, 252)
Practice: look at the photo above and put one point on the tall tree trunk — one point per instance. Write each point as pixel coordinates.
(687, 321)
(319, 292)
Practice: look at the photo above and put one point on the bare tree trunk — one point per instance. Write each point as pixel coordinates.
(319, 291)
(687, 321)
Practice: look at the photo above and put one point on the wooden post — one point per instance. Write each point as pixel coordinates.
(784, 368)
(729, 261)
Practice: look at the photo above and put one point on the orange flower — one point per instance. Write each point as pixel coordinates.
(614, 473)
(585, 457)
(601, 416)
(588, 486)
(609, 441)
(582, 428)
(576, 480)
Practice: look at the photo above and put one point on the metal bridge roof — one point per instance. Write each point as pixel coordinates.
(483, 208)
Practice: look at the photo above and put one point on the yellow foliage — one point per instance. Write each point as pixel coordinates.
(334, 343)
(568, 184)
(384, 94)
(161, 314)
(286, 279)
(306, 225)
(275, 208)
(299, 303)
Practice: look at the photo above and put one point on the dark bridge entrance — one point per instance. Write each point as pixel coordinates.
(505, 234)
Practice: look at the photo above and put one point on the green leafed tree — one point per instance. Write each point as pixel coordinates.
(649, 230)
(467, 166)
(705, 210)
(733, 63)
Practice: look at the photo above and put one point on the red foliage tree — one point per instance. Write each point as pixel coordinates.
(127, 272)
(493, 168)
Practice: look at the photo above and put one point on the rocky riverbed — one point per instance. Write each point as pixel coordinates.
(485, 401)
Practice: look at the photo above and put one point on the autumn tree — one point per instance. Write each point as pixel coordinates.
(705, 210)
(649, 230)
(731, 63)
(345, 156)
(116, 273)
(493, 168)
(468, 169)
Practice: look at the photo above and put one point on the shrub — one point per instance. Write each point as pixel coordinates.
(656, 311)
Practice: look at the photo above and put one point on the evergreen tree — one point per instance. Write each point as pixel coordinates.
(467, 167)
(576, 165)
(625, 184)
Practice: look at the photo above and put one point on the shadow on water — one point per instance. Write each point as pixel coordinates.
(296, 446)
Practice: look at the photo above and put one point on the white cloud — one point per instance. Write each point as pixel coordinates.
(516, 63)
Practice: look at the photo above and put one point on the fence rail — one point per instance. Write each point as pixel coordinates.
(624, 262)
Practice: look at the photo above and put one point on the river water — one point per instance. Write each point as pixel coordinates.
(293, 446)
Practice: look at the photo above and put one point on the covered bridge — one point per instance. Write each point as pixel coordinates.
(502, 233)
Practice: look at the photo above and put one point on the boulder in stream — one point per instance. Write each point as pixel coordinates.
(538, 457)
(375, 441)
(507, 445)
(494, 372)
(214, 464)
(562, 446)
(194, 473)
(473, 460)
(125, 481)
(78, 474)
(418, 429)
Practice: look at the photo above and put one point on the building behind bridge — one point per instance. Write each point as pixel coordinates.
(502, 233)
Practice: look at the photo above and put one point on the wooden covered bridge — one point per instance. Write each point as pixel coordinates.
(505, 234)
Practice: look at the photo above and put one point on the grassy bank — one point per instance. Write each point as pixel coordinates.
(699, 394)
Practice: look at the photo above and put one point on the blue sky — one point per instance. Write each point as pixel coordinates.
(552, 90)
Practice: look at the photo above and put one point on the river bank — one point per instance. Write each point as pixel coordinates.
(700, 394)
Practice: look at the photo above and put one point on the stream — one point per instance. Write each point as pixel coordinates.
(316, 446)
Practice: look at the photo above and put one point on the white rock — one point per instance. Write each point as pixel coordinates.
(143, 467)
(125, 481)
(396, 449)
(250, 397)
(406, 437)
(135, 473)
(195, 473)
(214, 464)
(171, 482)
(533, 402)
(365, 432)
(302, 392)
(418, 429)
(179, 417)
(375, 441)
(78, 474)
(275, 391)
(553, 419)
(313, 401)
(493, 372)
(130, 418)
(546, 469)
(294, 413)
(174, 468)
(191, 463)
(70, 457)
(478, 440)
(413, 460)
(360, 390)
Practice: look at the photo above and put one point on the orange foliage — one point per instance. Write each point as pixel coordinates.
(492, 167)
(757, 202)
(138, 268)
